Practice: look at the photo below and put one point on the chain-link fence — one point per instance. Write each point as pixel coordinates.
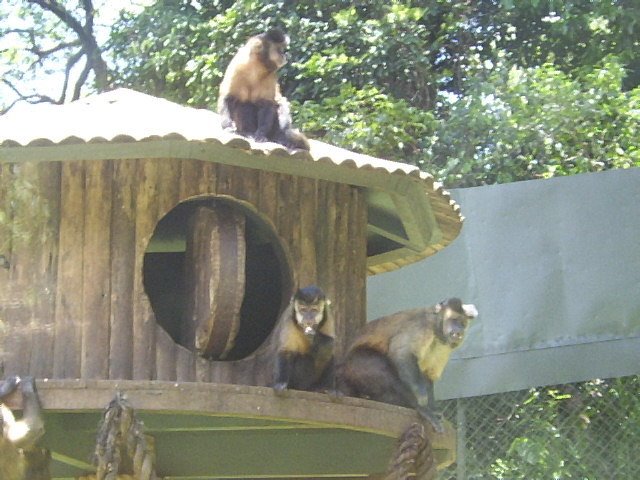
(587, 431)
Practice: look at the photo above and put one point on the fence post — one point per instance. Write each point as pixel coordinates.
(461, 426)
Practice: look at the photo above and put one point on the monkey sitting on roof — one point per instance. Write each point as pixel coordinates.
(250, 101)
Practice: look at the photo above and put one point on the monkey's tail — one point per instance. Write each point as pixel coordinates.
(413, 457)
(287, 135)
(294, 138)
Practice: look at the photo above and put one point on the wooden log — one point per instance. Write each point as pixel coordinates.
(17, 325)
(197, 178)
(325, 243)
(146, 219)
(356, 272)
(68, 335)
(96, 299)
(45, 254)
(246, 186)
(341, 302)
(215, 277)
(122, 260)
(268, 195)
(169, 186)
(226, 179)
(288, 216)
(185, 365)
(166, 356)
(6, 290)
(167, 198)
(306, 229)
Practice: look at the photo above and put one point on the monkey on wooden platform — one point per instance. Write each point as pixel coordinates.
(305, 343)
(396, 359)
(250, 101)
(23, 433)
(19, 457)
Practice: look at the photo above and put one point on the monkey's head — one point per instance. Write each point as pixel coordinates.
(309, 304)
(454, 317)
(269, 49)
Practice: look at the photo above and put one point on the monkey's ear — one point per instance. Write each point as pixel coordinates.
(438, 307)
(470, 310)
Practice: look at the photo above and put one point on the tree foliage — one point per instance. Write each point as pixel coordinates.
(474, 92)
(517, 123)
(572, 34)
(559, 432)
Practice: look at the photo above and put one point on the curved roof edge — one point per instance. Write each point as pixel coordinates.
(410, 216)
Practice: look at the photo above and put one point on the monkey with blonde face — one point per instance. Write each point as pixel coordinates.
(305, 350)
(250, 101)
(396, 359)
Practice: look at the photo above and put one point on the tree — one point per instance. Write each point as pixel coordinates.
(519, 123)
(40, 37)
(571, 34)
(585, 430)
(473, 91)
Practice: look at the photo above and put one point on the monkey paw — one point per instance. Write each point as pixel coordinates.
(434, 418)
(280, 387)
(335, 394)
(28, 384)
(228, 124)
(9, 385)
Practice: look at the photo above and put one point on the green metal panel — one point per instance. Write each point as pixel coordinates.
(199, 446)
(554, 269)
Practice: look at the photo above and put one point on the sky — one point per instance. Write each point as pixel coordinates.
(50, 83)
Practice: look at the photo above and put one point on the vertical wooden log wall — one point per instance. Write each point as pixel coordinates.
(72, 300)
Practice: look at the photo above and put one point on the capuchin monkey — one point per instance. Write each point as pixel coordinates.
(305, 348)
(396, 359)
(250, 101)
(23, 433)
(20, 459)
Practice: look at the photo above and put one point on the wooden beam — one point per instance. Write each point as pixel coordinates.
(235, 400)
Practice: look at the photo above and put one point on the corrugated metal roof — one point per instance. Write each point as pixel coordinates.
(128, 124)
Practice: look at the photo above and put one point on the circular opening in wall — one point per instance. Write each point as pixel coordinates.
(217, 277)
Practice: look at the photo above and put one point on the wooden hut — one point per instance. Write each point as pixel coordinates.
(141, 244)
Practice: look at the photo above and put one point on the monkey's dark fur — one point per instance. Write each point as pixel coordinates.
(250, 101)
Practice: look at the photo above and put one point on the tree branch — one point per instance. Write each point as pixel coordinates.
(41, 54)
(67, 72)
(33, 98)
(28, 31)
(81, 79)
(89, 15)
(86, 38)
(65, 15)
